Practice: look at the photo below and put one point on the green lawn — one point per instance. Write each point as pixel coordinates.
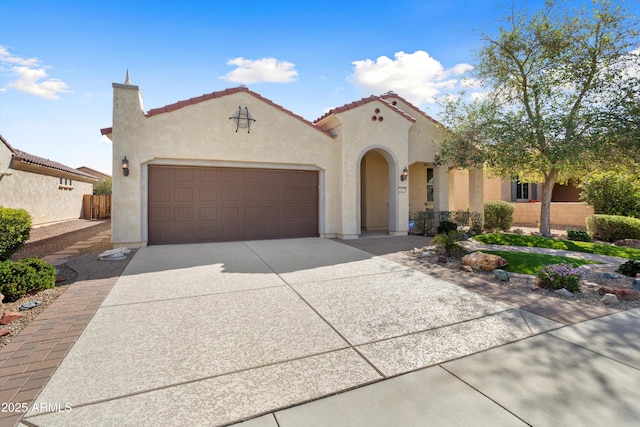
(548, 242)
(528, 263)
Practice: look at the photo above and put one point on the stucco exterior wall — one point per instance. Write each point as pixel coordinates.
(359, 134)
(563, 215)
(41, 195)
(418, 188)
(203, 135)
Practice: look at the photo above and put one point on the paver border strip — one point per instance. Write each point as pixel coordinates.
(29, 360)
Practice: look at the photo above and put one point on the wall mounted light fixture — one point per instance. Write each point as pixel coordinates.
(125, 166)
(405, 174)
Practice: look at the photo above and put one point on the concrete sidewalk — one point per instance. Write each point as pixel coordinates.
(213, 334)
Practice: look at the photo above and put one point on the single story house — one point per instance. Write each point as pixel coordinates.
(49, 191)
(233, 165)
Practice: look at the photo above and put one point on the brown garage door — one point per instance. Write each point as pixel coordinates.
(197, 204)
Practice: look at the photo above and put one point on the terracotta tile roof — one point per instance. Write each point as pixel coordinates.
(219, 94)
(106, 131)
(30, 159)
(361, 102)
(395, 95)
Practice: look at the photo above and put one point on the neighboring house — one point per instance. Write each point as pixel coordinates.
(49, 191)
(232, 165)
(101, 176)
(567, 210)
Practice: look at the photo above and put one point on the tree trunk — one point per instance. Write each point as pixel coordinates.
(545, 209)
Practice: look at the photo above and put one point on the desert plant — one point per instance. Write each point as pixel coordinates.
(558, 276)
(630, 268)
(610, 228)
(578, 236)
(498, 215)
(448, 244)
(26, 276)
(15, 226)
(446, 226)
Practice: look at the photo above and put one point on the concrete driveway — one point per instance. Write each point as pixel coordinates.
(211, 334)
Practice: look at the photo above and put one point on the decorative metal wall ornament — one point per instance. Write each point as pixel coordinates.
(243, 119)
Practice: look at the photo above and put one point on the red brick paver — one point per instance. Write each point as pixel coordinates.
(31, 358)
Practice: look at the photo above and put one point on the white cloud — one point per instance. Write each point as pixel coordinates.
(31, 77)
(416, 76)
(260, 70)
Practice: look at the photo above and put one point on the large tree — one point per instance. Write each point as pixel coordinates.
(555, 96)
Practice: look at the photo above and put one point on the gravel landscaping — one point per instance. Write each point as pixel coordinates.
(593, 278)
(45, 241)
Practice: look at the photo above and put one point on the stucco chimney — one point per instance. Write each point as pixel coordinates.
(127, 102)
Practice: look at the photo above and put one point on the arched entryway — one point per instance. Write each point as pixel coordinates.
(377, 213)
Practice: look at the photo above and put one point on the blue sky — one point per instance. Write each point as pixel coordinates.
(59, 58)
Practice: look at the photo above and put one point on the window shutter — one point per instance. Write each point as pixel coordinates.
(534, 191)
(514, 191)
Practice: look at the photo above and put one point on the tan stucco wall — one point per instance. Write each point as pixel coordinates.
(418, 188)
(492, 189)
(562, 214)
(40, 195)
(203, 135)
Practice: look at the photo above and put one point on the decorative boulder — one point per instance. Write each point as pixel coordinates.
(10, 316)
(636, 284)
(621, 292)
(484, 262)
(565, 293)
(501, 275)
(631, 243)
(609, 299)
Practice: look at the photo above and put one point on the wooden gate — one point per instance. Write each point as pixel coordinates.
(96, 207)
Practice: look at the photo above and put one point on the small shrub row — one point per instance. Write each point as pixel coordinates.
(578, 236)
(630, 268)
(558, 276)
(26, 276)
(498, 215)
(610, 228)
(425, 221)
(15, 226)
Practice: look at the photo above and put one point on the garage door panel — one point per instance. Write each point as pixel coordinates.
(229, 195)
(207, 214)
(191, 204)
(160, 214)
(183, 194)
(208, 194)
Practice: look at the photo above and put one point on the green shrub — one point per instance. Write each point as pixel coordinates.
(448, 244)
(15, 226)
(578, 236)
(610, 228)
(498, 215)
(612, 193)
(630, 268)
(26, 276)
(558, 276)
(447, 226)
